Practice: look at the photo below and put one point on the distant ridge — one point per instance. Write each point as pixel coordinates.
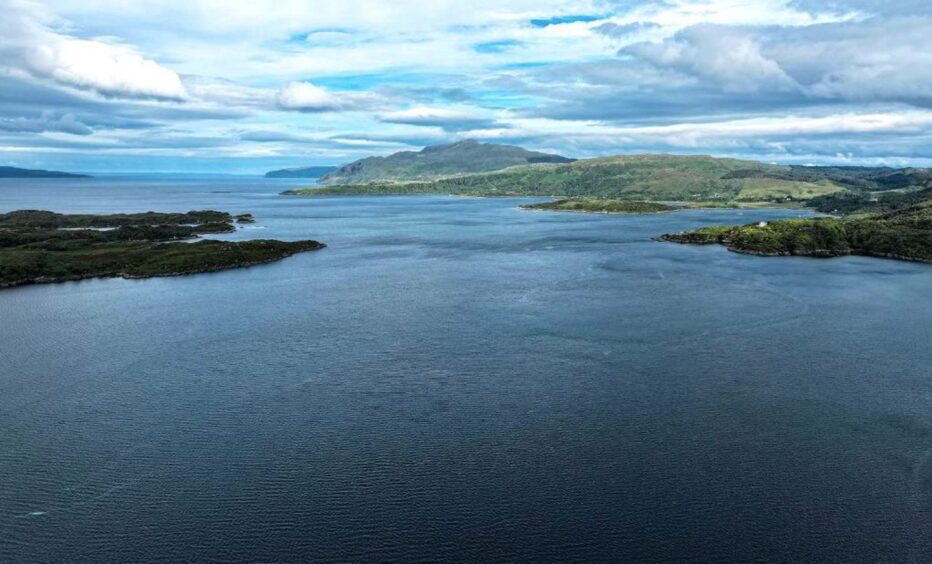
(665, 178)
(301, 172)
(14, 172)
(462, 157)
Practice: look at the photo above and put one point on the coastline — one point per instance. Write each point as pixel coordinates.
(129, 276)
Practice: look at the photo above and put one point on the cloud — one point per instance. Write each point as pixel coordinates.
(822, 137)
(228, 93)
(267, 136)
(620, 31)
(875, 59)
(309, 98)
(444, 118)
(305, 97)
(47, 122)
(579, 77)
(875, 7)
(108, 69)
(731, 58)
(28, 45)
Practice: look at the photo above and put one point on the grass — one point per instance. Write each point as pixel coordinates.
(758, 189)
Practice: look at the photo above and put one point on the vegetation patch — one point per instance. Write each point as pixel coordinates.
(658, 178)
(904, 234)
(593, 205)
(42, 246)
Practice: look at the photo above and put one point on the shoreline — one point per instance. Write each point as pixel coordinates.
(815, 254)
(127, 276)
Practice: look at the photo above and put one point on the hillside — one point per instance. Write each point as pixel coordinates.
(14, 172)
(640, 177)
(702, 179)
(301, 172)
(464, 157)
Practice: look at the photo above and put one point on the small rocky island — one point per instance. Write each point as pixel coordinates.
(43, 246)
(598, 205)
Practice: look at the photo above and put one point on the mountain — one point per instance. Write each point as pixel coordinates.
(13, 172)
(463, 157)
(302, 172)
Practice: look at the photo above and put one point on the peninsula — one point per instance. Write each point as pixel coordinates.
(14, 172)
(42, 246)
(902, 229)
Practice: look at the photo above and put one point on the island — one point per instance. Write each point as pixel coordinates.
(42, 246)
(595, 205)
(301, 172)
(903, 231)
(14, 172)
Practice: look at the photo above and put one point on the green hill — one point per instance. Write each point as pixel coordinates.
(700, 180)
(639, 177)
(464, 157)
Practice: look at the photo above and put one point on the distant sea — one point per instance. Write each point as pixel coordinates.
(455, 379)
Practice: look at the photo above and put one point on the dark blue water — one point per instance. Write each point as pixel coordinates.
(457, 379)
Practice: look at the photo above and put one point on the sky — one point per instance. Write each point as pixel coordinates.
(245, 87)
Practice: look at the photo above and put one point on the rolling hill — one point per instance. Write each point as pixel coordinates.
(463, 157)
(638, 177)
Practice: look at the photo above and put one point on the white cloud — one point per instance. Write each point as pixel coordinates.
(716, 133)
(310, 98)
(449, 119)
(108, 69)
(305, 97)
(877, 59)
(731, 58)
(228, 93)
(28, 45)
